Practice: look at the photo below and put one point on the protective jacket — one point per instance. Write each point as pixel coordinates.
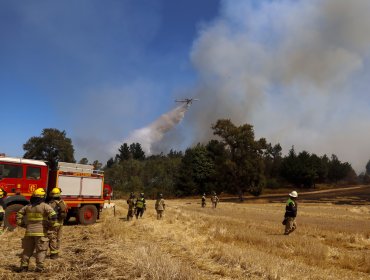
(60, 209)
(291, 208)
(159, 204)
(214, 199)
(140, 203)
(38, 219)
(131, 203)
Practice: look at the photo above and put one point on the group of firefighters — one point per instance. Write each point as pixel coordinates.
(43, 220)
(214, 200)
(137, 206)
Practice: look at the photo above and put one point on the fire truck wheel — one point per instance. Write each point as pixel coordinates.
(10, 220)
(87, 214)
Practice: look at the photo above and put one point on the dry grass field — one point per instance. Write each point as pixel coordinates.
(234, 241)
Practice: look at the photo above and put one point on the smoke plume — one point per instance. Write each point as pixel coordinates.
(296, 70)
(153, 133)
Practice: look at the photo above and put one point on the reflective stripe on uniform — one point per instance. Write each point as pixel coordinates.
(54, 251)
(35, 216)
(35, 234)
(140, 204)
(52, 213)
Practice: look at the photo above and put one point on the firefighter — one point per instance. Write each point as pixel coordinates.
(290, 213)
(140, 206)
(39, 216)
(204, 200)
(2, 212)
(214, 200)
(159, 206)
(55, 233)
(131, 207)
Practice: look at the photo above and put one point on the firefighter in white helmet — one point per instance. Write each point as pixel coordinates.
(39, 216)
(204, 200)
(290, 213)
(55, 233)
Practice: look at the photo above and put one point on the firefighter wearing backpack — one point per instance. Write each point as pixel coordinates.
(140, 206)
(55, 233)
(39, 216)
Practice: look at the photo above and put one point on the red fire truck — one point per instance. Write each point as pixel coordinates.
(83, 188)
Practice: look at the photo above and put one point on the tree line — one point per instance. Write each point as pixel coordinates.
(234, 162)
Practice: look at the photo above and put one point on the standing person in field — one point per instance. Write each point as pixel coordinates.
(214, 200)
(2, 212)
(39, 216)
(140, 206)
(290, 213)
(131, 206)
(159, 206)
(55, 233)
(204, 200)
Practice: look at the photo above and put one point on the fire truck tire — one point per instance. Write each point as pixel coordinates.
(87, 214)
(10, 221)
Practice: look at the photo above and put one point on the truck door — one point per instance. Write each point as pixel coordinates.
(34, 178)
(11, 175)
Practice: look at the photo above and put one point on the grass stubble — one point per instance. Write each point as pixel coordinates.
(234, 241)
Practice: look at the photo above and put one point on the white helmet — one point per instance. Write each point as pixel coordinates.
(293, 194)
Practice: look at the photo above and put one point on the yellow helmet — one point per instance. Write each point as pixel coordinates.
(55, 192)
(1, 193)
(40, 192)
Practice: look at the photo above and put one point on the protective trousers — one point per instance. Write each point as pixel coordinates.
(130, 213)
(139, 212)
(290, 225)
(159, 214)
(29, 244)
(55, 235)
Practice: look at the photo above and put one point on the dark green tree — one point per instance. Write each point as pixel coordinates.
(368, 168)
(123, 153)
(338, 170)
(245, 166)
(136, 151)
(52, 146)
(110, 162)
(196, 171)
(84, 161)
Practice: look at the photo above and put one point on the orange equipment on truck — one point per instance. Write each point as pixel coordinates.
(82, 187)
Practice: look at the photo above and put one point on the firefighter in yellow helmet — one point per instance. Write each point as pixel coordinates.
(2, 212)
(39, 216)
(55, 233)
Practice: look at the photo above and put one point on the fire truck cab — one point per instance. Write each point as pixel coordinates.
(82, 187)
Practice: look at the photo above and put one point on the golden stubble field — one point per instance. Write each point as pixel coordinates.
(234, 241)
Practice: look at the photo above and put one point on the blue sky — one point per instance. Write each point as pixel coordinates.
(60, 59)
(298, 71)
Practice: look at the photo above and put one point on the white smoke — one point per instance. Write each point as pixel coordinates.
(296, 70)
(154, 133)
